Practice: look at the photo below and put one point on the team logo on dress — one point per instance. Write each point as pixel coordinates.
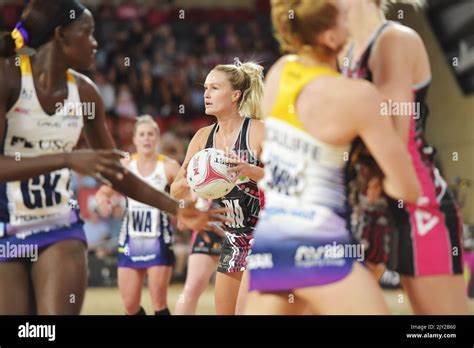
(425, 222)
(46, 144)
(22, 141)
(26, 94)
(21, 111)
(324, 255)
(47, 123)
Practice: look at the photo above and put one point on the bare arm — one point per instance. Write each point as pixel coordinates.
(393, 73)
(383, 142)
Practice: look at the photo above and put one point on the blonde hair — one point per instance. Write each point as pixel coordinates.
(385, 4)
(146, 119)
(248, 78)
(297, 22)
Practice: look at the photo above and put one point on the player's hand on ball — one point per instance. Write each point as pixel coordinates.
(240, 167)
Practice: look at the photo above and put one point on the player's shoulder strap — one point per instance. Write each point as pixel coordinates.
(294, 77)
(243, 136)
(25, 68)
(244, 144)
(364, 59)
(210, 138)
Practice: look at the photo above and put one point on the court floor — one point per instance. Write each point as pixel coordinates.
(107, 301)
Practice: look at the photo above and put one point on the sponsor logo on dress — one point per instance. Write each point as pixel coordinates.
(47, 123)
(26, 94)
(262, 261)
(47, 144)
(21, 111)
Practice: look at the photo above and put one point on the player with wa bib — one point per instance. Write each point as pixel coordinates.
(145, 243)
(230, 92)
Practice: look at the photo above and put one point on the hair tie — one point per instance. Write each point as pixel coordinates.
(237, 62)
(20, 36)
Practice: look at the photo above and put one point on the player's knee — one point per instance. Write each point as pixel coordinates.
(159, 291)
(193, 290)
(132, 306)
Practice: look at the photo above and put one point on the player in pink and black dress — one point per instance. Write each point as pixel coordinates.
(230, 92)
(244, 201)
(421, 241)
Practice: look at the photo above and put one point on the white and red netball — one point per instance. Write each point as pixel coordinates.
(207, 174)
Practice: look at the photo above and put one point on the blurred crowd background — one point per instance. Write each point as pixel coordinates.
(153, 58)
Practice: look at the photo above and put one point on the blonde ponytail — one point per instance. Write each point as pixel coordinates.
(251, 103)
(248, 78)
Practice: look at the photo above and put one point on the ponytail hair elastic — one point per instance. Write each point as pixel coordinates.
(20, 36)
(237, 62)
